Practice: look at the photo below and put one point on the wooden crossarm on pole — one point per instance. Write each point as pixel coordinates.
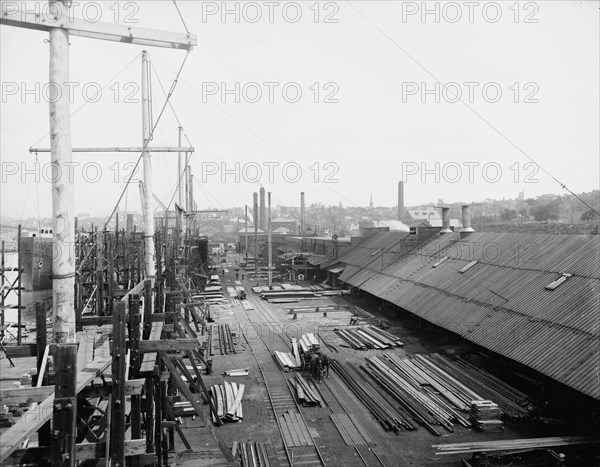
(14, 16)
(133, 149)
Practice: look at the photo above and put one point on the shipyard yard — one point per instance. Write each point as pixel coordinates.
(304, 234)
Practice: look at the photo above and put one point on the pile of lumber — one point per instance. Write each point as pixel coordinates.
(394, 376)
(485, 416)
(306, 392)
(285, 293)
(210, 294)
(514, 444)
(368, 337)
(467, 380)
(308, 342)
(435, 396)
(386, 413)
(227, 398)
(317, 309)
(287, 361)
(237, 372)
(252, 453)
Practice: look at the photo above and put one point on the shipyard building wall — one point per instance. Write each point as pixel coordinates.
(37, 263)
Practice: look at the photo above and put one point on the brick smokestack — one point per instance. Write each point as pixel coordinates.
(263, 216)
(255, 209)
(466, 221)
(400, 201)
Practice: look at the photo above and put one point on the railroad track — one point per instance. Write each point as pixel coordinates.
(299, 447)
(330, 400)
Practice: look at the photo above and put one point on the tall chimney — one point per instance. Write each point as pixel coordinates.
(255, 209)
(302, 228)
(262, 218)
(466, 221)
(400, 201)
(445, 221)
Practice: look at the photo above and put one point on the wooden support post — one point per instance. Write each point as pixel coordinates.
(147, 309)
(119, 351)
(41, 338)
(158, 392)
(79, 304)
(190, 397)
(99, 276)
(64, 416)
(44, 433)
(2, 280)
(134, 371)
(19, 277)
(149, 411)
(110, 260)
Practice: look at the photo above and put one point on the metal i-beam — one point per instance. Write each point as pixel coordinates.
(46, 20)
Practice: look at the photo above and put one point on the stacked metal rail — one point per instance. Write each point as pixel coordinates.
(390, 418)
(226, 341)
(253, 454)
(460, 374)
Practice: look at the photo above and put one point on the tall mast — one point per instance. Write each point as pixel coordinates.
(63, 204)
(147, 201)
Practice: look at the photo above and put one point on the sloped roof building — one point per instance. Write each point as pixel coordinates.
(532, 298)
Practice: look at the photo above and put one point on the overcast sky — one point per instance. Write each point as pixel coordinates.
(528, 78)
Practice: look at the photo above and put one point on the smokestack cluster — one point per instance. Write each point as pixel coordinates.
(466, 222)
(400, 201)
(445, 221)
(255, 209)
(262, 219)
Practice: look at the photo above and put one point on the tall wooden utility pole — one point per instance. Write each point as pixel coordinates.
(60, 27)
(147, 202)
(269, 242)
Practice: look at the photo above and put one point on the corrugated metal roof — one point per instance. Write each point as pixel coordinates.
(501, 302)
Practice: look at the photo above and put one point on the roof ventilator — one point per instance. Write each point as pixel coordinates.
(559, 281)
(468, 266)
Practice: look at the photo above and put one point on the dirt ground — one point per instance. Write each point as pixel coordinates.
(270, 327)
(271, 322)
